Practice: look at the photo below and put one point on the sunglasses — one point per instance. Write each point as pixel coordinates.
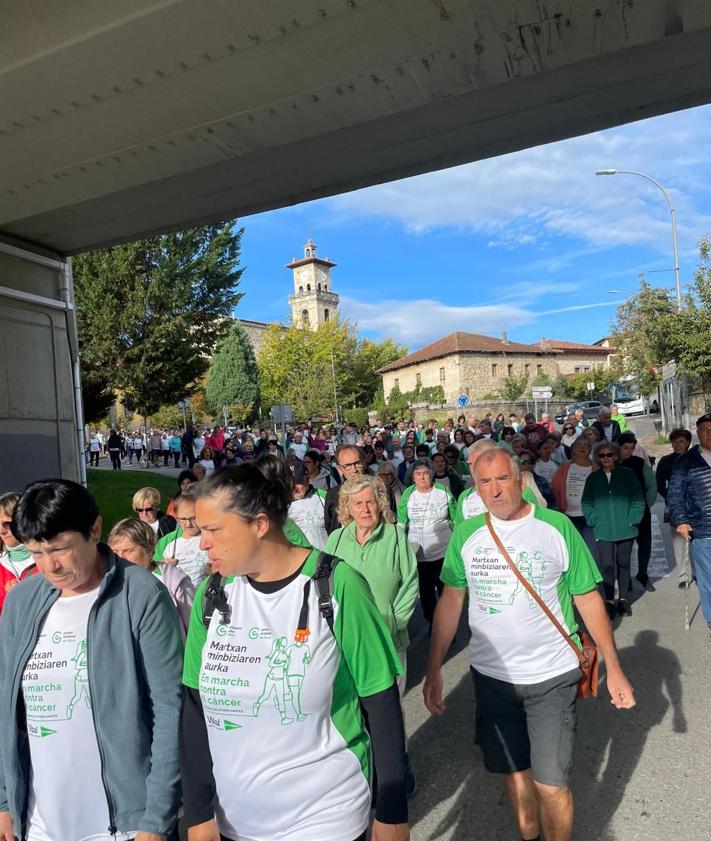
(605, 455)
(144, 510)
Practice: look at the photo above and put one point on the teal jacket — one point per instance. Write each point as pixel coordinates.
(613, 509)
(389, 565)
(135, 658)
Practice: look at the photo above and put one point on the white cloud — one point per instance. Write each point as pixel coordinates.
(418, 322)
(542, 194)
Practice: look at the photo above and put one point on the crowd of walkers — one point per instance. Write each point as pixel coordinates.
(238, 660)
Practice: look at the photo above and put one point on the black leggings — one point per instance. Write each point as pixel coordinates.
(115, 459)
(615, 558)
(92, 456)
(431, 586)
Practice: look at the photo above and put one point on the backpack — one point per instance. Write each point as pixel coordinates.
(215, 597)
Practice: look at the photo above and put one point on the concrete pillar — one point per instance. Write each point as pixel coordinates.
(41, 434)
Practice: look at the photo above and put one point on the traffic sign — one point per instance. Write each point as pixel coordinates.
(541, 392)
(591, 386)
(463, 400)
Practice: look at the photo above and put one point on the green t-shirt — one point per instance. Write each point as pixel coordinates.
(283, 717)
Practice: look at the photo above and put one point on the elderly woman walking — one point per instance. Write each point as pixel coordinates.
(613, 505)
(370, 543)
(426, 510)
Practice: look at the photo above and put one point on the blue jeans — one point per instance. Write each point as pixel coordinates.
(701, 554)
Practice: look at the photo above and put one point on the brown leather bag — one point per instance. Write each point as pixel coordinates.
(588, 657)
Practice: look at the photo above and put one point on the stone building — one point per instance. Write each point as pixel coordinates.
(313, 301)
(255, 333)
(476, 365)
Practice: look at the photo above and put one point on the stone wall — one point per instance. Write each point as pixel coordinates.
(567, 363)
(430, 374)
(486, 373)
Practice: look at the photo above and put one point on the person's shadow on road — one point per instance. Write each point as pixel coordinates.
(610, 744)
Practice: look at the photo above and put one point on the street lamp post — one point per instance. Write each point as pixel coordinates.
(672, 211)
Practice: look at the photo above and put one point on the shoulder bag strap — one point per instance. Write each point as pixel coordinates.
(532, 592)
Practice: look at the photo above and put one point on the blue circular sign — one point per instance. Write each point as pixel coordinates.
(463, 400)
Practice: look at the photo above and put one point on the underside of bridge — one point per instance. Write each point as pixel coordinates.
(119, 120)
(123, 119)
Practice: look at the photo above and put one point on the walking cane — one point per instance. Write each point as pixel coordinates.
(687, 569)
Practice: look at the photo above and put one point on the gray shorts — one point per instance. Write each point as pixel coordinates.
(522, 726)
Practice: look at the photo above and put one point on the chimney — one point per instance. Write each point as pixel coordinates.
(504, 337)
(543, 343)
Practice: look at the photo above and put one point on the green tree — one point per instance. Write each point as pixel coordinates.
(650, 330)
(363, 380)
(233, 377)
(514, 387)
(150, 313)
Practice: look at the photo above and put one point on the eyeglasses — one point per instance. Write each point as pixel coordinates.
(187, 520)
(145, 510)
(526, 461)
(605, 455)
(351, 465)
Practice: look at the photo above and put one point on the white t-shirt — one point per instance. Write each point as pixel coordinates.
(67, 801)
(190, 557)
(574, 487)
(280, 715)
(299, 449)
(198, 444)
(428, 520)
(608, 432)
(95, 445)
(307, 513)
(512, 639)
(706, 455)
(209, 466)
(546, 469)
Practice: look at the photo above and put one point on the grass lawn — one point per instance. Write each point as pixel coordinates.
(114, 489)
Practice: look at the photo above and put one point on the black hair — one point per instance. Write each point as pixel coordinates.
(275, 468)
(627, 438)
(52, 506)
(452, 450)
(249, 491)
(680, 433)
(314, 455)
(423, 448)
(186, 474)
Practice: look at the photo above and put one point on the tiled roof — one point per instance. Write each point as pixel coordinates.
(463, 343)
(558, 344)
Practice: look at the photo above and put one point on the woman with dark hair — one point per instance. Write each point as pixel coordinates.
(185, 479)
(300, 767)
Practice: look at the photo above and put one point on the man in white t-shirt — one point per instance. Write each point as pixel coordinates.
(525, 674)
(299, 446)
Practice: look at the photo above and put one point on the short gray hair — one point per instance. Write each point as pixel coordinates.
(612, 445)
(425, 463)
(490, 455)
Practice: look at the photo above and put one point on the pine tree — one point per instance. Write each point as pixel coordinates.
(233, 378)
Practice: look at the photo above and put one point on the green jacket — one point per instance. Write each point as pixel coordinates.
(613, 509)
(389, 565)
(622, 420)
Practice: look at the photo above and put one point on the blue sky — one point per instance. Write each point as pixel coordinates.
(529, 242)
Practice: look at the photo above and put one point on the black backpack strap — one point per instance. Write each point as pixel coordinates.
(214, 598)
(323, 578)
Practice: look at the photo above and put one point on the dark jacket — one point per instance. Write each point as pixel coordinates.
(665, 466)
(616, 431)
(134, 666)
(689, 494)
(456, 483)
(613, 508)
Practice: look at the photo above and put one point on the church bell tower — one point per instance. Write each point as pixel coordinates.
(313, 302)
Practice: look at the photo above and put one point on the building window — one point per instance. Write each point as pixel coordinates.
(318, 286)
(308, 287)
(494, 369)
(418, 379)
(527, 369)
(509, 368)
(305, 316)
(326, 314)
(441, 375)
(539, 369)
(397, 382)
(301, 290)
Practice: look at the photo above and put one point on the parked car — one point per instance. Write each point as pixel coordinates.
(591, 410)
(637, 405)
